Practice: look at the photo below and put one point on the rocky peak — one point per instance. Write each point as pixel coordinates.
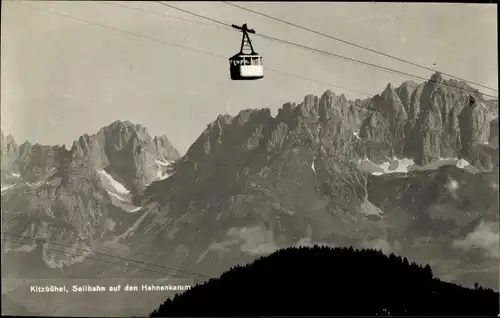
(236, 142)
(303, 113)
(414, 105)
(309, 105)
(248, 115)
(165, 148)
(123, 136)
(440, 95)
(86, 152)
(333, 105)
(126, 151)
(35, 161)
(405, 91)
(9, 152)
(437, 131)
(9, 147)
(29, 162)
(331, 118)
(286, 114)
(227, 133)
(437, 77)
(474, 128)
(384, 128)
(121, 133)
(389, 104)
(388, 89)
(6, 140)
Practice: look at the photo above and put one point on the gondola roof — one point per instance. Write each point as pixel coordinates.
(240, 55)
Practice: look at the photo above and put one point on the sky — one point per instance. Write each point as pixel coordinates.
(61, 77)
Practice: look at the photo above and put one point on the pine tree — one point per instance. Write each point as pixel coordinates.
(428, 271)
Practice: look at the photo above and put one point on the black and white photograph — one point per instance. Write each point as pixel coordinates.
(251, 158)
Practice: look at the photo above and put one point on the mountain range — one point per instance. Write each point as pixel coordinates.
(412, 170)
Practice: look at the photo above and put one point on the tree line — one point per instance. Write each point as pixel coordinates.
(322, 280)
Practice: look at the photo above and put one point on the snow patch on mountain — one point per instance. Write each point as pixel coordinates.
(122, 203)
(392, 166)
(37, 184)
(165, 176)
(120, 196)
(406, 165)
(165, 163)
(7, 187)
(441, 162)
(161, 176)
(162, 164)
(110, 184)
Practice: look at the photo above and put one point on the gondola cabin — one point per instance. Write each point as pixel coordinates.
(246, 66)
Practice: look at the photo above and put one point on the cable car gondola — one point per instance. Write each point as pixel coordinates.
(246, 66)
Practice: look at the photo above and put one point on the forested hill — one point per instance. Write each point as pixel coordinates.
(330, 281)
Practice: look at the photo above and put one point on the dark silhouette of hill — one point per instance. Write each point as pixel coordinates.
(330, 281)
